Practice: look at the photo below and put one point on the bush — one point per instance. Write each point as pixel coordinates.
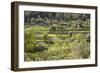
(29, 40)
(84, 49)
(52, 27)
(45, 37)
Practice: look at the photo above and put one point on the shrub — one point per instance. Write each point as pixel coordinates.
(29, 40)
(52, 27)
(45, 37)
(84, 49)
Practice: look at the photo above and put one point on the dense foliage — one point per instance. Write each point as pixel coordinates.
(56, 36)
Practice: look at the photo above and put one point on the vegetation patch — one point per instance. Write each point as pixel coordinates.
(56, 36)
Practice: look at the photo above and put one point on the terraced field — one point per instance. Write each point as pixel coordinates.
(57, 45)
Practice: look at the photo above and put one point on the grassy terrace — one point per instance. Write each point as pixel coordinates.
(42, 44)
